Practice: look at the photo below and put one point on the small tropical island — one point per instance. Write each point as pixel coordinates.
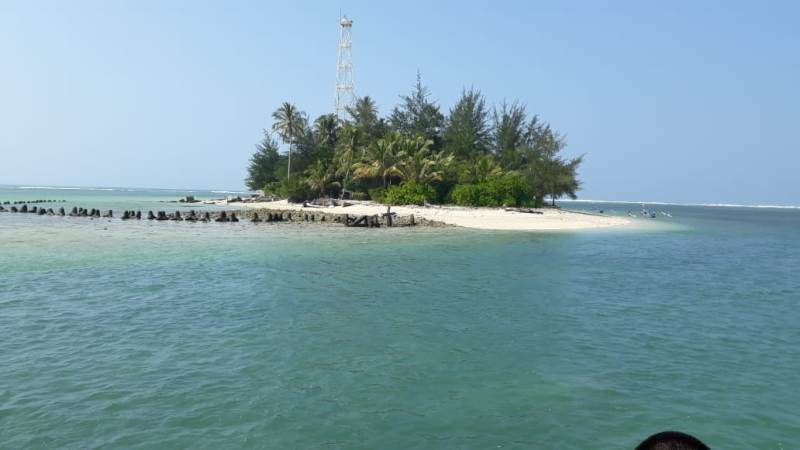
(476, 166)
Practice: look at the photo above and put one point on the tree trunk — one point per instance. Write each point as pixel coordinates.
(289, 166)
(344, 183)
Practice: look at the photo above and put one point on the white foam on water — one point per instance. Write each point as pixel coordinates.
(65, 188)
(713, 205)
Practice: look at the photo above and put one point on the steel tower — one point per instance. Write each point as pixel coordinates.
(345, 95)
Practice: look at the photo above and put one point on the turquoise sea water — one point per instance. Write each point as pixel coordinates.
(216, 336)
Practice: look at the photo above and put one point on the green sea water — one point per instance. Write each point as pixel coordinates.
(289, 336)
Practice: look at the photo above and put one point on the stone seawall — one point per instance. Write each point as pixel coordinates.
(262, 215)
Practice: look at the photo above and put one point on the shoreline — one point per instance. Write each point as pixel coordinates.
(354, 214)
(545, 219)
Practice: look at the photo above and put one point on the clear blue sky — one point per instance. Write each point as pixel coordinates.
(688, 101)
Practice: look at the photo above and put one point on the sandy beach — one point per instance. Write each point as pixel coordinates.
(478, 218)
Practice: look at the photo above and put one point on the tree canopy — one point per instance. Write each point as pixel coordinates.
(475, 155)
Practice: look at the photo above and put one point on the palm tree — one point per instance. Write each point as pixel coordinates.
(380, 159)
(289, 124)
(364, 113)
(480, 169)
(326, 129)
(318, 177)
(417, 162)
(348, 144)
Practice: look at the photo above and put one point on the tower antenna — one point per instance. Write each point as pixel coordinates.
(345, 94)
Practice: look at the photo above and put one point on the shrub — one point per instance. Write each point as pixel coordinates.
(272, 188)
(295, 190)
(509, 189)
(360, 196)
(377, 194)
(409, 194)
(467, 195)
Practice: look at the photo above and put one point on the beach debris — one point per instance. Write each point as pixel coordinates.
(524, 210)
(188, 199)
(388, 216)
(356, 221)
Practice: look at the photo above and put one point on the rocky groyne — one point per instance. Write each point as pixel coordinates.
(255, 216)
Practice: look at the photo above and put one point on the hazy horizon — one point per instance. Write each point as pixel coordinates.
(680, 103)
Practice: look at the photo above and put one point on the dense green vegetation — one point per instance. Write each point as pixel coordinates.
(474, 155)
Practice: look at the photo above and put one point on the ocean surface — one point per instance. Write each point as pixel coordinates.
(289, 336)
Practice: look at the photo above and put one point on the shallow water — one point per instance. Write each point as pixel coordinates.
(173, 335)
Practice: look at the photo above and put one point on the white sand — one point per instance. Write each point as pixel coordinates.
(481, 218)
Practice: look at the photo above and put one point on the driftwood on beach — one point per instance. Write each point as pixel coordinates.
(524, 210)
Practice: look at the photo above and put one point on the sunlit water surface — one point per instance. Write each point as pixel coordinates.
(214, 336)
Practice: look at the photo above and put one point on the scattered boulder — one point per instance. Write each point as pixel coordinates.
(255, 218)
(222, 217)
(150, 215)
(61, 212)
(234, 218)
(24, 209)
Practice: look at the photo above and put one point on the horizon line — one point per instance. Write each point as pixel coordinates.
(246, 191)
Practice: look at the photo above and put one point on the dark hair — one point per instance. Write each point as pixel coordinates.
(672, 440)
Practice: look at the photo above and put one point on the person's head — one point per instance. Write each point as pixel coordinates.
(672, 440)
